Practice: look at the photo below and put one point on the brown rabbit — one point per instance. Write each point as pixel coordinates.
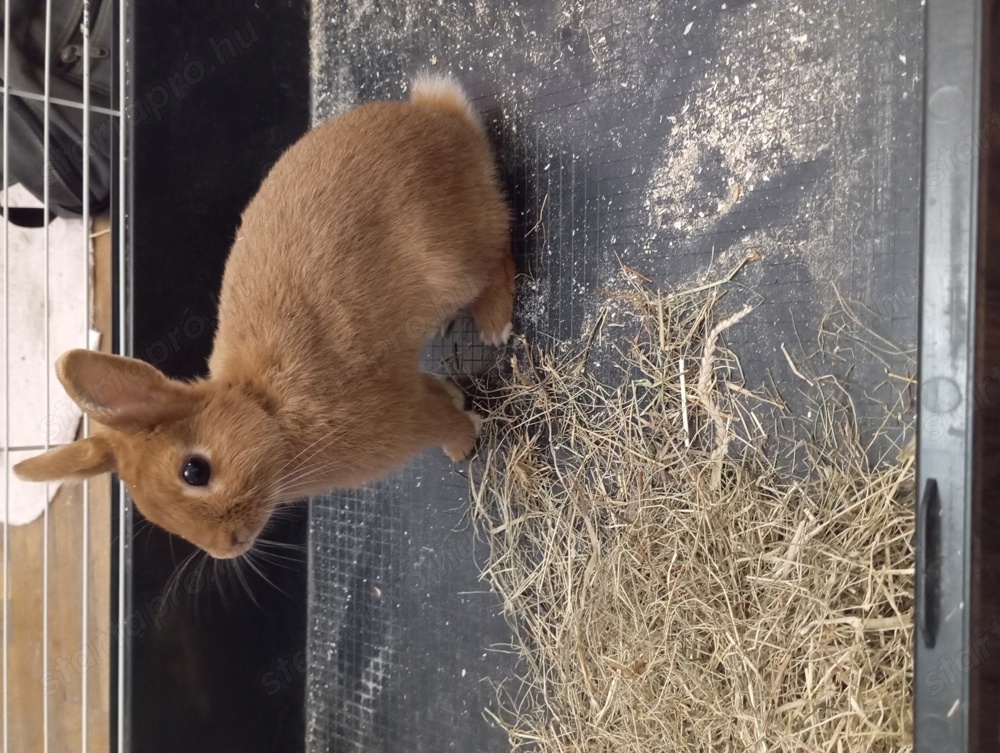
(366, 237)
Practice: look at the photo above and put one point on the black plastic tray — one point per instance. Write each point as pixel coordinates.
(945, 470)
(219, 89)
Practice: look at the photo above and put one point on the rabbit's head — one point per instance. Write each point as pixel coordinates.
(202, 459)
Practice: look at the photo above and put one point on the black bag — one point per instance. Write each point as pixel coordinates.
(25, 120)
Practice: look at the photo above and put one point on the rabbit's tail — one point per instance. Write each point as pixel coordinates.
(441, 92)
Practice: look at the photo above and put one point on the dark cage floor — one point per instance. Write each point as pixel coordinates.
(674, 138)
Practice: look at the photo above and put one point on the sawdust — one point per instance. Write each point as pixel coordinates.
(748, 119)
(532, 304)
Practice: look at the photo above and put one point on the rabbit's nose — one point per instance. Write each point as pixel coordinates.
(241, 539)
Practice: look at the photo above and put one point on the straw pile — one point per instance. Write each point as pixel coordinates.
(669, 587)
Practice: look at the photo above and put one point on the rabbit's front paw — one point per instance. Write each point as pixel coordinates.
(457, 396)
(499, 337)
(461, 446)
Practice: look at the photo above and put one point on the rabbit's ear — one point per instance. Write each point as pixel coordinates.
(122, 393)
(82, 459)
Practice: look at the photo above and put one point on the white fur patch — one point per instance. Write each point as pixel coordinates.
(441, 86)
(502, 339)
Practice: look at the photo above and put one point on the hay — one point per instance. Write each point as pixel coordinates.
(670, 589)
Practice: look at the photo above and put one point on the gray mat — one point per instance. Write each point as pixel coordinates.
(672, 138)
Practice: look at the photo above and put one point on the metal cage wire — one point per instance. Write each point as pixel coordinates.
(117, 212)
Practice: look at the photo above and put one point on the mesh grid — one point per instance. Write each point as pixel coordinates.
(664, 138)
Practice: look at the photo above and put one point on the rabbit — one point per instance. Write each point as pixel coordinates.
(366, 237)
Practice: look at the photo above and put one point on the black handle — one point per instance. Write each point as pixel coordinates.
(28, 216)
(929, 564)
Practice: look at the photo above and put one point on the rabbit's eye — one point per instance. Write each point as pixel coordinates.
(196, 471)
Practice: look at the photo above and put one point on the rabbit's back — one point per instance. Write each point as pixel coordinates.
(372, 225)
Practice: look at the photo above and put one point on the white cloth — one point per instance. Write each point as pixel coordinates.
(27, 367)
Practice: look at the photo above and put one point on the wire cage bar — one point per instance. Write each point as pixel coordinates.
(59, 636)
